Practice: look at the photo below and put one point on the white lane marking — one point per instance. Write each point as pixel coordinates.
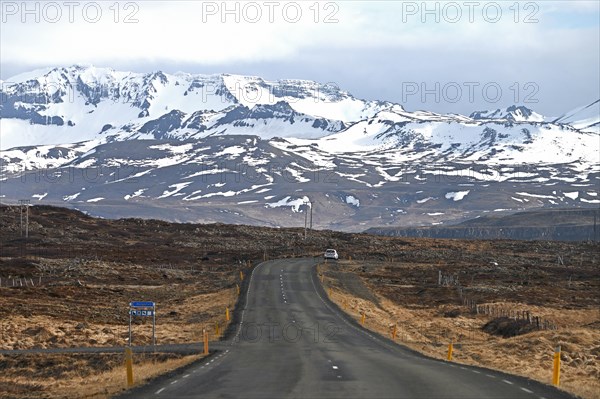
(491, 376)
(207, 364)
(462, 368)
(476, 372)
(174, 382)
(339, 376)
(526, 390)
(186, 376)
(159, 391)
(335, 367)
(508, 382)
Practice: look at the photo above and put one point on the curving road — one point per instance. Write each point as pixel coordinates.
(293, 343)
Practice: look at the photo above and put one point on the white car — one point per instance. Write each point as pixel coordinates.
(331, 254)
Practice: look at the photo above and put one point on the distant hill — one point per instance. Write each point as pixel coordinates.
(546, 224)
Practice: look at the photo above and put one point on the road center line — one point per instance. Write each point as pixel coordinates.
(159, 391)
(508, 382)
(526, 390)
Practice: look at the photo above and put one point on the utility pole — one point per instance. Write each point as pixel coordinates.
(305, 217)
(595, 227)
(24, 209)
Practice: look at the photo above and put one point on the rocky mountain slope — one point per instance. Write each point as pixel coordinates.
(236, 149)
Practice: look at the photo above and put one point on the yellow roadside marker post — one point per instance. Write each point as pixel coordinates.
(362, 320)
(129, 366)
(450, 349)
(205, 333)
(217, 328)
(241, 275)
(394, 332)
(237, 287)
(227, 313)
(556, 370)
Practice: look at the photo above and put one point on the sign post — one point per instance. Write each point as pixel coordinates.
(143, 309)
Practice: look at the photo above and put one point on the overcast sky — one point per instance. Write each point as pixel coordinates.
(445, 56)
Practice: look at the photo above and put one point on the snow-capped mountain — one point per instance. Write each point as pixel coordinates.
(586, 118)
(241, 149)
(63, 105)
(513, 113)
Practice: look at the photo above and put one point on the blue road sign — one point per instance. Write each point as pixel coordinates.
(141, 304)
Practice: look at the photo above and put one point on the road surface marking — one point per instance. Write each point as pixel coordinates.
(186, 376)
(476, 372)
(335, 367)
(526, 390)
(207, 364)
(491, 376)
(508, 382)
(159, 391)
(174, 382)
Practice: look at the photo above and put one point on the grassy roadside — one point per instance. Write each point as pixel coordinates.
(429, 327)
(80, 375)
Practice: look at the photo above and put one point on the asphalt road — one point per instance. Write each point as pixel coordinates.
(293, 343)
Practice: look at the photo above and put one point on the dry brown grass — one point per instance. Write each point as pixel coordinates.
(80, 376)
(426, 330)
(180, 322)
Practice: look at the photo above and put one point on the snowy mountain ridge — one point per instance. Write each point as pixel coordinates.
(239, 149)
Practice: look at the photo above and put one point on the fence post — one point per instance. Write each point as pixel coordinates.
(556, 370)
(129, 366)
